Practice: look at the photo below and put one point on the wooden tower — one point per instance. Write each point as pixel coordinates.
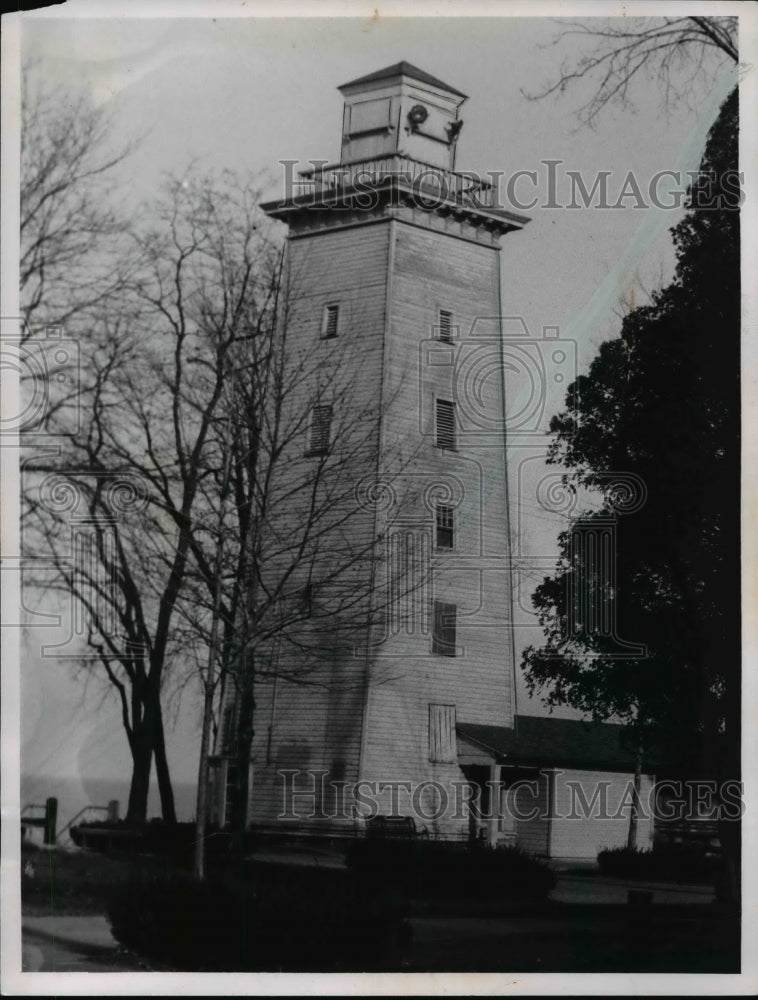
(396, 265)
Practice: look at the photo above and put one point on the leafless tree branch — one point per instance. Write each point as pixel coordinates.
(675, 51)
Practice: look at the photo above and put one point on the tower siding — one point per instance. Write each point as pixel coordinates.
(311, 716)
(433, 271)
(390, 261)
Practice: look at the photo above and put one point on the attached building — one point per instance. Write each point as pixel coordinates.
(565, 786)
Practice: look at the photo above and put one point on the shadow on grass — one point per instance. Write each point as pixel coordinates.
(580, 939)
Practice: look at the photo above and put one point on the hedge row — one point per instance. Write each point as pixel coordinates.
(434, 870)
(268, 918)
(284, 923)
(662, 864)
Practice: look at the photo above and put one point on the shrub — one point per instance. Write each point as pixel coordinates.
(435, 869)
(675, 863)
(176, 840)
(282, 920)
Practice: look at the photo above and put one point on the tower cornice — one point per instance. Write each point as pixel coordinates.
(394, 186)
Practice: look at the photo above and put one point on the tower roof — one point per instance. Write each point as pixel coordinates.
(403, 69)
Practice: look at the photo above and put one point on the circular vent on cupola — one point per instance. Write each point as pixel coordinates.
(417, 115)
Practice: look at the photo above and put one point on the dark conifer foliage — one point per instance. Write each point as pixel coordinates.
(662, 401)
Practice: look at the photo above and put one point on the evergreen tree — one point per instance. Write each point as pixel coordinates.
(661, 402)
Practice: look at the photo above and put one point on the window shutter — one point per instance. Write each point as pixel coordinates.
(369, 116)
(444, 517)
(216, 789)
(321, 422)
(445, 424)
(329, 322)
(446, 326)
(443, 636)
(230, 796)
(442, 743)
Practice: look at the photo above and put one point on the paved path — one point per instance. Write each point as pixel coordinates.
(72, 944)
(597, 889)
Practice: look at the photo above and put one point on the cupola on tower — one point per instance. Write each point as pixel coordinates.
(401, 111)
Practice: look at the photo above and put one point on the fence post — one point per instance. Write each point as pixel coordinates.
(51, 819)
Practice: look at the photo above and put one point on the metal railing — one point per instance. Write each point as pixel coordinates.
(425, 179)
(34, 814)
(25, 812)
(46, 821)
(83, 815)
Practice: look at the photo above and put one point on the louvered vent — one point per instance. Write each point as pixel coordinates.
(443, 636)
(445, 327)
(330, 321)
(321, 422)
(445, 424)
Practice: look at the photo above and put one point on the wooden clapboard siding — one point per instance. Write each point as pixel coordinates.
(316, 724)
(370, 717)
(432, 271)
(575, 835)
(393, 264)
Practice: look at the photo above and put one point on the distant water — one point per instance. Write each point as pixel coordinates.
(74, 794)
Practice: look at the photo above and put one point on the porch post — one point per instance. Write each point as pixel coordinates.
(494, 804)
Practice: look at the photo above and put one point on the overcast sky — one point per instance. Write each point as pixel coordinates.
(245, 93)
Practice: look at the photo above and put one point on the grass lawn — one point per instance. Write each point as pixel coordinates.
(74, 883)
(550, 937)
(694, 939)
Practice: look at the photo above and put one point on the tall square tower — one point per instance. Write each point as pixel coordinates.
(394, 269)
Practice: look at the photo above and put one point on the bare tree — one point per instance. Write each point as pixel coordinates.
(675, 52)
(285, 565)
(70, 259)
(203, 277)
(240, 451)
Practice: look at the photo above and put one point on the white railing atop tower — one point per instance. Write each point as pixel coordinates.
(464, 188)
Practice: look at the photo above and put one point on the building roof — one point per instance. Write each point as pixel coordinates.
(546, 742)
(403, 69)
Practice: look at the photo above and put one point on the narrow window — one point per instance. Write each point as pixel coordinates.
(329, 322)
(445, 424)
(321, 423)
(445, 327)
(228, 727)
(442, 745)
(443, 636)
(444, 518)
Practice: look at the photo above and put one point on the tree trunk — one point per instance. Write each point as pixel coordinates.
(634, 811)
(168, 806)
(244, 745)
(201, 814)
(148, 739)
(201, 809)
(142, 760)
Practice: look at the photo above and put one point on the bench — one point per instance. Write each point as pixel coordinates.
(395, 828)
